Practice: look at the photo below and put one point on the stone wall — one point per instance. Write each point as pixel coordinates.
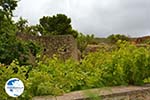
(142, 39)
(63, 45)
(109, 93)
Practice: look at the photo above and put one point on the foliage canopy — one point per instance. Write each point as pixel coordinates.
(58, 24)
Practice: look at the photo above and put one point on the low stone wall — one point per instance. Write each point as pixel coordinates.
(112, 93)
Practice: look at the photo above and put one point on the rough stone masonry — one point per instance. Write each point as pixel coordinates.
(63, 45)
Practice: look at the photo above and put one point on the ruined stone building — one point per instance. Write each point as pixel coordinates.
(63, 45)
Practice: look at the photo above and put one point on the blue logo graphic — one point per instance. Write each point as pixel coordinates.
(14, 87)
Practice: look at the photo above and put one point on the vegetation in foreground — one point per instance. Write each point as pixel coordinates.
(126, 65)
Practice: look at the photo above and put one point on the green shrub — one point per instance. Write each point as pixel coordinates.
(114, 38)
(126, 65)
(83, 41)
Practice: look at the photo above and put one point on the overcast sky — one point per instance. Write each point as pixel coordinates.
(98, 17)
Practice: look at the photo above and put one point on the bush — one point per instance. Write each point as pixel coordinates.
(83, 41)
(129, 65)
(114, 38)
(123, 66)
(126, 65)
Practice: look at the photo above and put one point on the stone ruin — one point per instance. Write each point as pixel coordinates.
(142, 39)
(64, 46)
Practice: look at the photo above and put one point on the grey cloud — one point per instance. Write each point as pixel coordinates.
(100, 17)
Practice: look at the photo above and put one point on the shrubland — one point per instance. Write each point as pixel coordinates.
(126, 65)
